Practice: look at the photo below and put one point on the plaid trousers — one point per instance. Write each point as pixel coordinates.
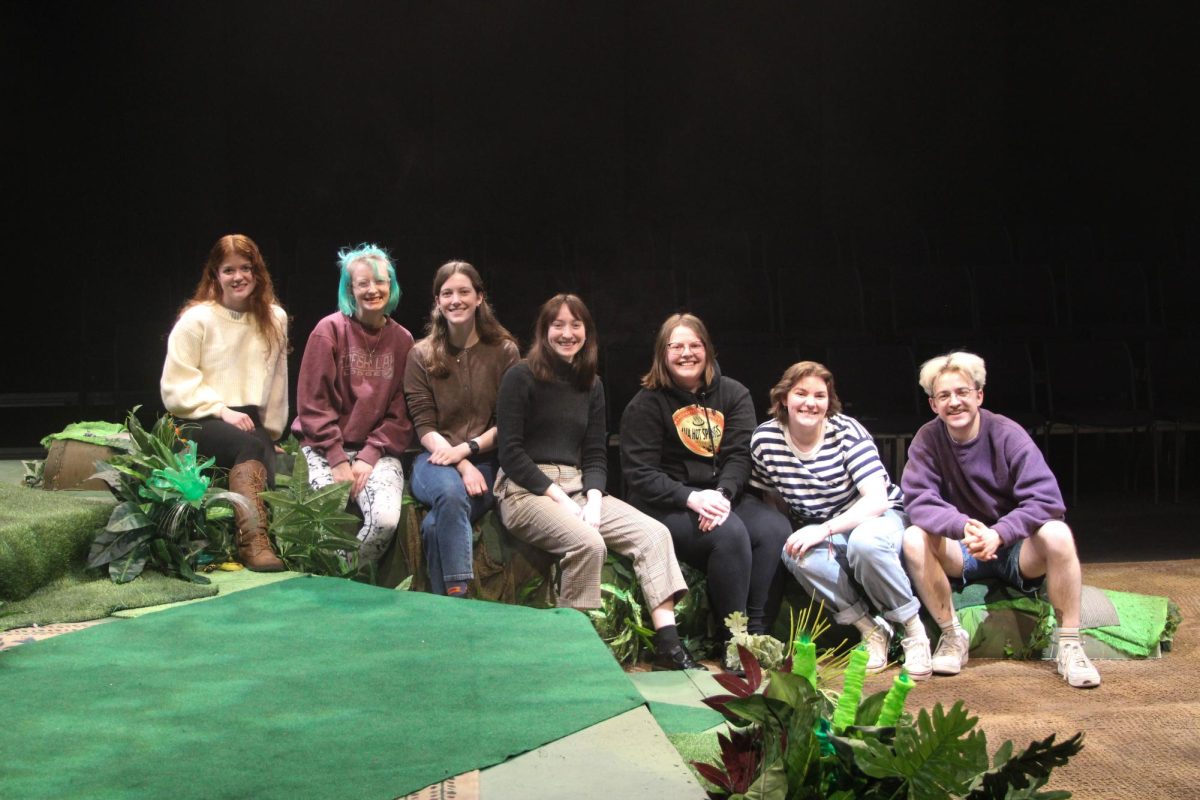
(538, 520)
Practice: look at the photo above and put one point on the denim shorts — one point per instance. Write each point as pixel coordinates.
(1006, 566)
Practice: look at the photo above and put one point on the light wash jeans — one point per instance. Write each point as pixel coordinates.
(863, 571)
(446, 529)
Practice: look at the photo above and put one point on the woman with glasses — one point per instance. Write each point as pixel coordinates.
(351, 419)
(685, 455)
(850, 515)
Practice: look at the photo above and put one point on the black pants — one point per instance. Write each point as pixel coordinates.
(741, 557)
(231, 446)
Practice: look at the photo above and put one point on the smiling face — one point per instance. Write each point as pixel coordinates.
(807, 406)
(566, 334)
(457, 300)
(371, 291)
(956, 401)
(686, 358)
(235, 276)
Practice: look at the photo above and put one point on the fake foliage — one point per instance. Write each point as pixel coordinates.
(167, 512)
(312, 529)
(791, 738)
(623, 621)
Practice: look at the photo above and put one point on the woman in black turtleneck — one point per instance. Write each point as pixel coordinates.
(553, 470)
(685, 455)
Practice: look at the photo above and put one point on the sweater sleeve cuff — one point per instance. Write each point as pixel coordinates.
(594, 481)
(681, 496)
(1007, 534)
(369, 454)
(336, 455)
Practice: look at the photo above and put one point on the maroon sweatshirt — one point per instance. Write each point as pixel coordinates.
(350, 395)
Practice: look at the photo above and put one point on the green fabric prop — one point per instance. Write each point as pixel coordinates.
(105, 434)
(308, 688)
(1143, 623)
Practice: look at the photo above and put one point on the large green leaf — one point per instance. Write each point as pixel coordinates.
(771, 784)
(1023, 776)
(110, 546)
(128, 567)
(127, 516)
(939, 756)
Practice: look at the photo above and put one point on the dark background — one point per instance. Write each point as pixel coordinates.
(747, 160)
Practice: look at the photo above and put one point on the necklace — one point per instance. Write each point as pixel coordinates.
(812, 450)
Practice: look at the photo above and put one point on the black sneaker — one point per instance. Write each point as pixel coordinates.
(677, 657)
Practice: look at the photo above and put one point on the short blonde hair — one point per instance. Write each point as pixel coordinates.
(967, 364)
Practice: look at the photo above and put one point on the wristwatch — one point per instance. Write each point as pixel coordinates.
(724, 492)
(474, 445)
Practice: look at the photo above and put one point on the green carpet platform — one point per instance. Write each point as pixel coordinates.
(309, 687)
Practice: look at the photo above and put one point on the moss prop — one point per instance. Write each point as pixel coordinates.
(42, 535)
(80, 596)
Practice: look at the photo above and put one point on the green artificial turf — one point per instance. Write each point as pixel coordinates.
(43, 535)
(83, 595)
(308, 688)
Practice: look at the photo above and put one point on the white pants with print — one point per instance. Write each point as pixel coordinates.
(379, 500)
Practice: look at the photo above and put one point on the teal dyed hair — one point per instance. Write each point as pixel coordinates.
(379, 261)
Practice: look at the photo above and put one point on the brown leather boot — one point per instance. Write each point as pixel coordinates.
(254, 548)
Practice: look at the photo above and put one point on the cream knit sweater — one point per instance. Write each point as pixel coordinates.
(216, 358)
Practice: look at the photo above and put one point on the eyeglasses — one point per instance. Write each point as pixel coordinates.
(675, 348)
(960, 393)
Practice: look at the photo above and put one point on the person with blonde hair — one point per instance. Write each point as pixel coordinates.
(685, 457)
(849, 514)
(225, 375)
(984, 504)
(553, 471)
(351, 420)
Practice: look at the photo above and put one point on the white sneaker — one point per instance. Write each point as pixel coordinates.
(951, 653)
(916, 657)
(877, 642)
(1075, 667)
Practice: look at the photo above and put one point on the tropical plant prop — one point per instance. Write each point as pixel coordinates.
(312, 529)
(622, 620)
(167, 512)
(794, 740)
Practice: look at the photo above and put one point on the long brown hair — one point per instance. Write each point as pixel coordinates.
(261, 299)
(542, 360)
(488, 328)
(659, 375)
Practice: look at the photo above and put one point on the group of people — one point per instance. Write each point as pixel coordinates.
(804, 493)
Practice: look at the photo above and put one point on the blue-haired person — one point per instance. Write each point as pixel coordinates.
(351, 419)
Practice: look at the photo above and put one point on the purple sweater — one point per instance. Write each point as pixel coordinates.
(998, 478)
(350, 395)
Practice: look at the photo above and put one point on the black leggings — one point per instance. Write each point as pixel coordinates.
(741, 557)
(231, 446)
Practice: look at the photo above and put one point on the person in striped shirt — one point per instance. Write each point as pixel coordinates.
(845, 551)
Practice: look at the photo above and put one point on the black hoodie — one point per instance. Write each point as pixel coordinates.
(666, 434)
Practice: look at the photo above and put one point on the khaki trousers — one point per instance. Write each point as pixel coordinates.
(541, 522)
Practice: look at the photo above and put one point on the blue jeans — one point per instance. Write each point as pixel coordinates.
(864, 562)
(446, 529)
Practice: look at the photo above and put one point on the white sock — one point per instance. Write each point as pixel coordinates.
(914, 628)
(951, 626)
(865, 625)
(1067, 634)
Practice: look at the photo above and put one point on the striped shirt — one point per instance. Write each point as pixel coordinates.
(819, 486)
